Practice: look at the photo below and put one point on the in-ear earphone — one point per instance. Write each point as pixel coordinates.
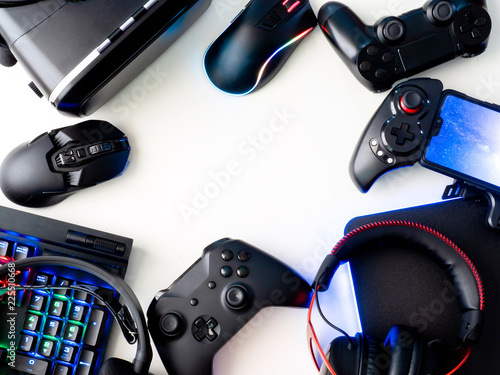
(135, 328)
(411, 354)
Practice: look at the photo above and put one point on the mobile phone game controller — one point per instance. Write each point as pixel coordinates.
(399, 47)
(231, 282)
(396, 135)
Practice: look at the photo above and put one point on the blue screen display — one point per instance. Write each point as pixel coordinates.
(469, 140)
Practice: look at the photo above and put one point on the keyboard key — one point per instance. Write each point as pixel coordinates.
(62, 281)
(77, 313)
(30, 365)
(61, 370)
(31, 322)
(42, 279)
(57, 307)
(23, 251)
(85, 363)
(5, 249)
(37, 302)
(73, 333)
(95, 327)
(26, 343)
(67, 352)
(46, 347)
(53, 327)
(82, 296)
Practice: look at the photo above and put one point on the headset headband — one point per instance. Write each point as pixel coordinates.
(429, 242)
(144, 353)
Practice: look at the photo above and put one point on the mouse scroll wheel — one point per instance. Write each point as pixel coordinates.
(99, 148)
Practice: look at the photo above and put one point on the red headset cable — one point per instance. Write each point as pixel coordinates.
(313, 339)
(464, 359)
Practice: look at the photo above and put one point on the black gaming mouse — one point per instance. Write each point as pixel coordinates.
(54, 165)
(257, 43)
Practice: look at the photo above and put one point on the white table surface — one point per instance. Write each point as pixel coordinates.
(289, 194)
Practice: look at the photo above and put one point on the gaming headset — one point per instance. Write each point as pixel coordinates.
(134, 330)
(409, 352)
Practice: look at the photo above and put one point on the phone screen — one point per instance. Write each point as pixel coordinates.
(467, 146)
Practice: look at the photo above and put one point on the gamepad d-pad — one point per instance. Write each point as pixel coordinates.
(399, 47)
(232, 281)
(397, 133)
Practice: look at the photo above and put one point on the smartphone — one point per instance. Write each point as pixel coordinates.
(465, 143)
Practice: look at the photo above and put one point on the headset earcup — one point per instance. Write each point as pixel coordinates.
(342, 359)
(406, 347)
(366, 358)
(117, 366)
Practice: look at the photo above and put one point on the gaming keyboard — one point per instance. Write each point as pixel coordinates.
(57, 331)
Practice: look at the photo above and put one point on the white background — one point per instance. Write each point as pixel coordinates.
(290, 196)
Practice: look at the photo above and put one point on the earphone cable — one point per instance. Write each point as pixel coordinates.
(127, 328)
(352, 345)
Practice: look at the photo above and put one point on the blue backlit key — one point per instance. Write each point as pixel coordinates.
(33, 366)
(85, 363)
(26, 343)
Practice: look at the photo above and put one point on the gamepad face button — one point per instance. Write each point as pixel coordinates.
(226, 271)
(388, 57)
(243, 256)
(381, 74)
(227, 255)
(372, 50)
(242, 272)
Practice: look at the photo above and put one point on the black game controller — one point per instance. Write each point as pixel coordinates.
(397, 133)
(232, 281)
(399, 47)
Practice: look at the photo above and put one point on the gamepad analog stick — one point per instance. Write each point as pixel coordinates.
(411, 102)
(236, 297)
(171, 324)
